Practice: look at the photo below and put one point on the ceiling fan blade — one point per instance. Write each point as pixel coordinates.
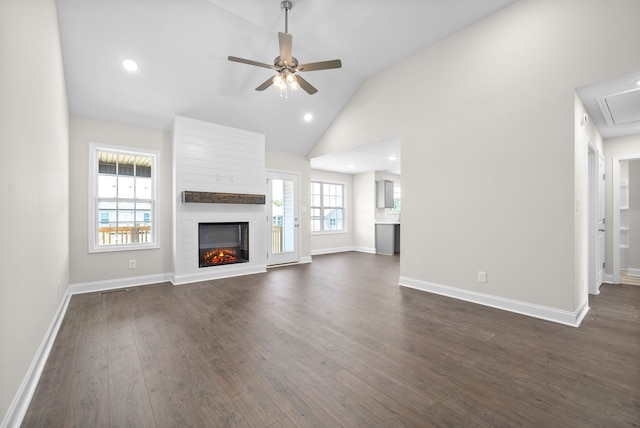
(322, 65)
(265, 85)
(306, 85)
(250, 62)
(285, 40)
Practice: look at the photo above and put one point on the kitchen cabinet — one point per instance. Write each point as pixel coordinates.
(387, 238)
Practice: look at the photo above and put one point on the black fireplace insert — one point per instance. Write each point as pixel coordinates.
(223, 243)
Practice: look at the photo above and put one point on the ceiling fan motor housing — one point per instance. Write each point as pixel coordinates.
(278, 63)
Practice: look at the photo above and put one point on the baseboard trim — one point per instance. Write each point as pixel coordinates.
(198, 277)
(18, 408)
(113, 284)
(306, 259)
(368, 250)
(331, 250)
(572, 319)
(633, 272)
(608, 278)
(342, 250)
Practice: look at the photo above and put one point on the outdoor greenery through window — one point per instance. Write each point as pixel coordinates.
(123, 213)
(327, 207)
(396, 199)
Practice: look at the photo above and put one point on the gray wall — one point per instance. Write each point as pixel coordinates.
(34, 212)
(492, 169)
(96, 267)
(333, 242)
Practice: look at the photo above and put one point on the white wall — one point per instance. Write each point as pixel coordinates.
(34, 213)
(489, 166)
(615, 148)
(334, 242)
(364, 211)
(88, 269)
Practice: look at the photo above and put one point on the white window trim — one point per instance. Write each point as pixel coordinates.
(345, 191)
(93, 205)
(389, 211)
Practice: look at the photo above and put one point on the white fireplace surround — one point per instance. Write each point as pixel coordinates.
(214, 158)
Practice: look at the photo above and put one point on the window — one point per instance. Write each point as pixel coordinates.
(327, 207)
(396, 200)
(122, 199)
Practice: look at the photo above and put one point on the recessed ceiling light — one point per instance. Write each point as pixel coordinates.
(352, 165)
(638, 83)
(393, 157)
(130, 65)
(308, 117)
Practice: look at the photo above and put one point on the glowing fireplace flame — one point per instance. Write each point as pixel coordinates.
(216, 256)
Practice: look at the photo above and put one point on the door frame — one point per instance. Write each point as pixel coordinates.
(591, 222)
(268, 236)
(615, 178)
(595, 198)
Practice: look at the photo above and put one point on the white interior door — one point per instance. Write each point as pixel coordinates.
(282, 218)
(600, 237)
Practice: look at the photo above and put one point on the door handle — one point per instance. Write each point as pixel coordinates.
(601, 230)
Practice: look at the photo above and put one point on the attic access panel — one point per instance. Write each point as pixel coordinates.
(622, 108)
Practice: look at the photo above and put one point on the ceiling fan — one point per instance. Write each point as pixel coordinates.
(287, 65)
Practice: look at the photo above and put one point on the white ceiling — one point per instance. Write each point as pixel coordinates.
(377, 156)
(614, 105)
(182, 46)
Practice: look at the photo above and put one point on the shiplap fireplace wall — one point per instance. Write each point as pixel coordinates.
(218, 159)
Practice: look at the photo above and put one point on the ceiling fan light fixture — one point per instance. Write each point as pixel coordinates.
(278, 81)
(286, 65)
(293, 82)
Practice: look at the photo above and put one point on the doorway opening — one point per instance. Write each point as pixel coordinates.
(626, 219)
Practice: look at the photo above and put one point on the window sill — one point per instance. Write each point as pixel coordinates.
(330, 232)
(128, 247)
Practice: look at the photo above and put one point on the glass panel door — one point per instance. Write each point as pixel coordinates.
(282, 215)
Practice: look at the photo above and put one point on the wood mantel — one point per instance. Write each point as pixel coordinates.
(221, 198)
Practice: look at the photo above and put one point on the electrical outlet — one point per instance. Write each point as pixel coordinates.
(482, 276)
(132, 264)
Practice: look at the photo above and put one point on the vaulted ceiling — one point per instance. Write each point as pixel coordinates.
(181, 47)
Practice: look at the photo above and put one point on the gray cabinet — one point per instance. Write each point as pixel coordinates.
(387, 238)
(385, 193)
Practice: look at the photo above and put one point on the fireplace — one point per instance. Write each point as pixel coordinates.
(223, 243)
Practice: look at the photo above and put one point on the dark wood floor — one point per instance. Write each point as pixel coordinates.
(334, 343)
